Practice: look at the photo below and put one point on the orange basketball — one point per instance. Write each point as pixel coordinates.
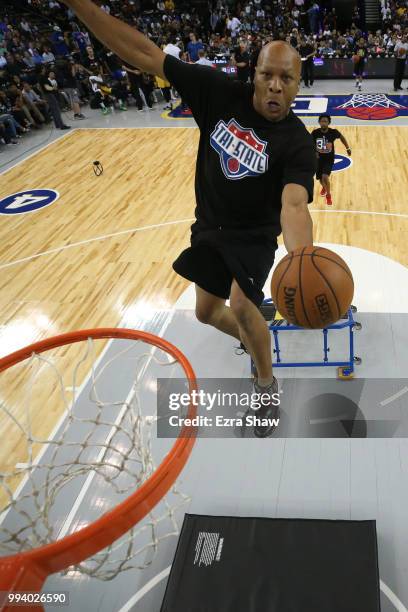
(401, 52)
(312, 287)
(356, 59)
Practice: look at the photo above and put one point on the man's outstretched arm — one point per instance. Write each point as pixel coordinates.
(125, 41)
(296, 222)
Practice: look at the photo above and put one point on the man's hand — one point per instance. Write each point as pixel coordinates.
(296, 222)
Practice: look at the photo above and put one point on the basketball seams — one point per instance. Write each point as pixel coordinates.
(282, 275)
(300, 287)
(346, 270)
(329, 286)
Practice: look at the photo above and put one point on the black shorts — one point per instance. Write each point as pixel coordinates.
(217, 256)
(359, 68)
(324, 166)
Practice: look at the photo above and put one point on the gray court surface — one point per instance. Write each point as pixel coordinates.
(341, 476)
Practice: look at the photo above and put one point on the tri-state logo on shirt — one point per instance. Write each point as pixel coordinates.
(241, 151)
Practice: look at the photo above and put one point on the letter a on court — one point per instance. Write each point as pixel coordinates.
(27, 201)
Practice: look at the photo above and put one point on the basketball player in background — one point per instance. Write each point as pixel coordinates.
(360, 53)
(324, 138)
(254, 179)
(401, 53)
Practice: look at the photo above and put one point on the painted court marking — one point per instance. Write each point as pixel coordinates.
(177, 222)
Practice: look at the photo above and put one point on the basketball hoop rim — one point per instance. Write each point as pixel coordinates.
(28, 570)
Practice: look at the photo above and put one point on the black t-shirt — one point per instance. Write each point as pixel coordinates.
(68, 78)
(325, 142)
(242, 73)
(305, 50)
(112, 61)
(43, 80)
(243, 160)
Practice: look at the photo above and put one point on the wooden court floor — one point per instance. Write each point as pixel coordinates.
(108, 243)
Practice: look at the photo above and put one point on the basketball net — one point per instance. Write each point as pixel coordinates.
(369, 100)
(104, 449)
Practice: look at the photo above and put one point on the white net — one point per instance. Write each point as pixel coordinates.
(102, 452)
(370, 100)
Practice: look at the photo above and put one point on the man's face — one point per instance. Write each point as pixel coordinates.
(324, 123)
(277, 80)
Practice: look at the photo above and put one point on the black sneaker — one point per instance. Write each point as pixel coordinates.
(268, 411)
(65, 127)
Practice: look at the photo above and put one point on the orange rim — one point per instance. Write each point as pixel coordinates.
(28, 570)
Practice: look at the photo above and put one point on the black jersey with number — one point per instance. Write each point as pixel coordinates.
(325, 142)
(243, 160)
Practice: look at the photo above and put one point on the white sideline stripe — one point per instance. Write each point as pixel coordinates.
(90, 240)
(40, 148)
(389, 400)
(145, 589)
(179, 221)
(399, 606)
(360, 212)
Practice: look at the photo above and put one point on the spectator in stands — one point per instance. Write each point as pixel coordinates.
(325, 50)
(48, 57)
(24, 25)
(10, 132)
(49, 88)
(71, 87)
(89, 58)
(241, 60)
(59, 45)
(169, 6)
(203, 60)
(172, 49)
(307, 51)
(31, 97)
(313, 15)
(193, 47)
(7, 106)
(233, 26)
(135, 81)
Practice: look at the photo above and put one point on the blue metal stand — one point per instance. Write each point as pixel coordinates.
(345, 368)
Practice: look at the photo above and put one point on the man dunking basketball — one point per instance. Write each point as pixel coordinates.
(324, 138)
(254, 179)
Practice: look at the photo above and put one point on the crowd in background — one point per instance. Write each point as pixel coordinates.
(50, 63)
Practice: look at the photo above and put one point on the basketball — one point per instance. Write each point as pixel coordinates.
(312, 287)
(401, 52)
(355, 59)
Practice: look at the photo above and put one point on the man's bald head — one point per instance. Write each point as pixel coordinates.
(280, 50)
(277, 80)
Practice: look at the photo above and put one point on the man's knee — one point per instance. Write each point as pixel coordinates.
(242, 308)
(208, 314)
